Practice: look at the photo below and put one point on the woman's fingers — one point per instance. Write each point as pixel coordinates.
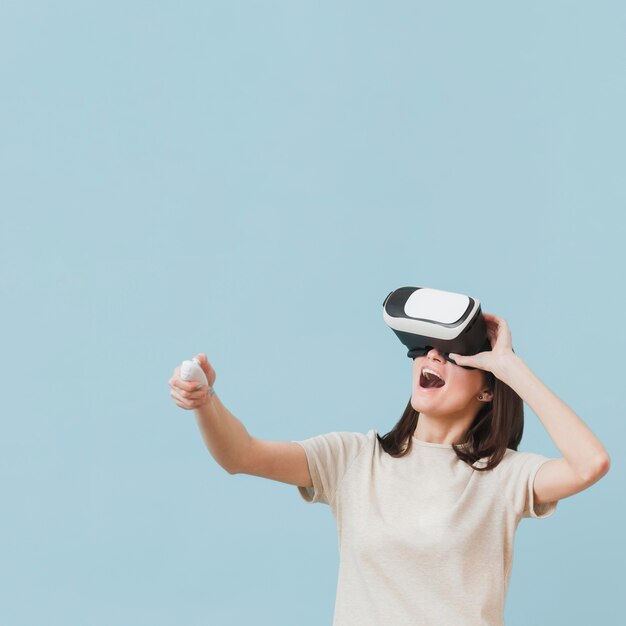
(189, 400)
(183, 385)
(494, 319)
(494, 322)
(191, 395)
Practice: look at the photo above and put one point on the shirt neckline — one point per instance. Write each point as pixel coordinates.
(431, 444)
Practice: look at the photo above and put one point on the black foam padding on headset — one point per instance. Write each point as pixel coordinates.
(415, 352)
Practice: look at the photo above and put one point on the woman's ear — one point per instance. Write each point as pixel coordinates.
(485, 395)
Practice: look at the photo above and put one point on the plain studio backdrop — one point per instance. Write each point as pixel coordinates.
(250, 180)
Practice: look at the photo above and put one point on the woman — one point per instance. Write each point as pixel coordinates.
(426, 514)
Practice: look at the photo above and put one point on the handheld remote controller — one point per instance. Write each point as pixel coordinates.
(191, 370)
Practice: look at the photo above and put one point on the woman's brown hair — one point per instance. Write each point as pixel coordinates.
(498, 425)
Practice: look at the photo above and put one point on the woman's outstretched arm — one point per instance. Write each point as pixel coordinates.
(240, 453)
(224, 435)
(228, 440)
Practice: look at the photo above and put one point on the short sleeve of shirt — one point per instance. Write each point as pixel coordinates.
(329, 457)
(520, 478)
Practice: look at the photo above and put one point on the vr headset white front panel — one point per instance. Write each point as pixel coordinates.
(434, 305)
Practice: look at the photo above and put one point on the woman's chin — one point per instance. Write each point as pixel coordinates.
(426, 397)
(420, 400)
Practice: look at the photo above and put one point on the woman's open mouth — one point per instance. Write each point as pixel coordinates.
(429, 381)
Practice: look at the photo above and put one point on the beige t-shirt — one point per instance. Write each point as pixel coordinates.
(424, 540)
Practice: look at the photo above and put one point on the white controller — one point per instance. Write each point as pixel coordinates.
(191, 370)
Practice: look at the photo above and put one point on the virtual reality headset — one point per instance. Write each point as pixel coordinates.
(424, 318)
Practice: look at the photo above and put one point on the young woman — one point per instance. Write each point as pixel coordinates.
(426, 514)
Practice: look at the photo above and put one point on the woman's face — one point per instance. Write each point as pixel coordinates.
(459, 393)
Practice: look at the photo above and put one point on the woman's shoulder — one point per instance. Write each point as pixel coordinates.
(349, 440)
(359, 441)
(512, 459)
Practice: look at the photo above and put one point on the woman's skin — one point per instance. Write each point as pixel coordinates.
(447, 412)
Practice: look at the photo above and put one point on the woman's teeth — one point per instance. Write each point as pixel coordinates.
(430, 379)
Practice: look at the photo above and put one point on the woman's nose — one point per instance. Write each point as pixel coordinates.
(433, 353)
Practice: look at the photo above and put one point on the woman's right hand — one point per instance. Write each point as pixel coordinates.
(185, 392)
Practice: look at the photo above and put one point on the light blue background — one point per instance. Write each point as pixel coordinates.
(250, 180)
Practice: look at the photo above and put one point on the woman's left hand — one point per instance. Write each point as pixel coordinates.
(501, 351)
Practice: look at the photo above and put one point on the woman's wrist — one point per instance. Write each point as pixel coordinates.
(507, 364)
